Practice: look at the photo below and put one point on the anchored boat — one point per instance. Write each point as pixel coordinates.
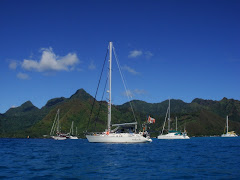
(71, 133)
(229, 134)
(123, 133)
(171, 133)
(56, 128)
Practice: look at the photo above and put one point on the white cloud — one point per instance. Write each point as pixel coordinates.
(128, 93)
(131, 70)
(13, 65)
(148, 54)
(92, 66)
(140, 91)
(51, 62)
(134, 92)
(22, 76)
(135, 53)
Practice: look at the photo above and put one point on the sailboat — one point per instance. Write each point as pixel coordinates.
(71, 136)
(171, 133)
(229, 134)
(56, 128)
(123, 133)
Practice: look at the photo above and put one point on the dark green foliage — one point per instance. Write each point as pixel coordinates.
(199, 118)
(16, 122)
(82, 95)
(18, 118)
(223, 108)
(55, 101)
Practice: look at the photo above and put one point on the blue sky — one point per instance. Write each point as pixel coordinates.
(167, 49)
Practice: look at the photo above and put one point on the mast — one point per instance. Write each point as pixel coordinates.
(54, 124)
(176, 123)
(58, 125)
(169, 116)
(227, 124)
(110, 87)
(72, 127)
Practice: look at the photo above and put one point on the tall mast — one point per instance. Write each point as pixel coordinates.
(227, 124)
(72, 128)
(58, 125)
(176, 123)
(110, 86)
(169, 116)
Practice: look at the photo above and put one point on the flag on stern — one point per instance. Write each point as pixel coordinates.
(151, 120)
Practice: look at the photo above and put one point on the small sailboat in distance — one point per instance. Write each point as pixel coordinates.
(56, 128)
(71, 133)
(229, 134)
(171, 133)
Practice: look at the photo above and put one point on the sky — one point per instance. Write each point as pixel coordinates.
(166, 48)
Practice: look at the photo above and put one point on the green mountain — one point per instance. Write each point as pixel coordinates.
(21, 117)
(224, 107)
(200, 117)
(17, 120)
(78, 108)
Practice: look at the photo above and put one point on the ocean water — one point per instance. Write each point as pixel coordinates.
(197, 158)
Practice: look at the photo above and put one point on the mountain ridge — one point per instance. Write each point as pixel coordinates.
(199, 116)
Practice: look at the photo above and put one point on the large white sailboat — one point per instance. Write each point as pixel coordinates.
(229, 134)
(56, 128)
(171, 133)
(123, 133)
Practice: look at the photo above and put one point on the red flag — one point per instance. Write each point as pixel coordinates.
(151, 120)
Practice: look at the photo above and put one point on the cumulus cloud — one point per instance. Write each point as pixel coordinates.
(131, 70)
(22, 76)
(92, 66)
(140, 91)
(13, 65)
(128, 93)
(135, 53)
(148, 54)
(135, 92)
(51, 62)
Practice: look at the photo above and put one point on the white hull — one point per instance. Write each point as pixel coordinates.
(229, 135)
(122, 135)
(118, 138)
(59, 138)
(173, 136)
(73, 137)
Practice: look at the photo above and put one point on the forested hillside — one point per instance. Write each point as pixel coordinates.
(199, 118)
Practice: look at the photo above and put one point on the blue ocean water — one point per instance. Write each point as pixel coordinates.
(197, 158)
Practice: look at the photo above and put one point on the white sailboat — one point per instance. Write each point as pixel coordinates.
(229, 134)
(56, 128)
(71, 133)
(172, 134)
(123, 133)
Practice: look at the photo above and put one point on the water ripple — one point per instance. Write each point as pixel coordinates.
(197, 158)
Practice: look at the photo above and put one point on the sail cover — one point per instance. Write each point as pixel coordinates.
(125, 124)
